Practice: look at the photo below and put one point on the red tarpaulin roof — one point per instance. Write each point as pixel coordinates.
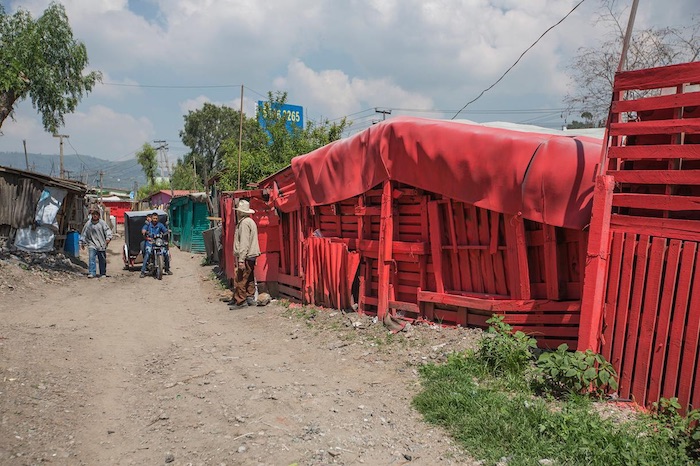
(547, 178)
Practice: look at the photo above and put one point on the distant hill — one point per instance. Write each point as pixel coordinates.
(80, 167)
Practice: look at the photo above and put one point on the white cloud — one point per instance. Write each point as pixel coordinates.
(334, 58)
(333, 93)
(100, 132)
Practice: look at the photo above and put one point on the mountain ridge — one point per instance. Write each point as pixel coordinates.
(84, 168)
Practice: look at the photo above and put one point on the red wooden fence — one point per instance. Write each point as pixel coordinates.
(641, 305)
(416, 254)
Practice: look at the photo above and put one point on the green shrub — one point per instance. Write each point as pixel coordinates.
(563, 371)
(682, 432)
(505, 352)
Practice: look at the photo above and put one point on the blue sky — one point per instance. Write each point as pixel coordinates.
(162, 58)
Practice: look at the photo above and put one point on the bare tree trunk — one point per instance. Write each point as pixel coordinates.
(7, 101)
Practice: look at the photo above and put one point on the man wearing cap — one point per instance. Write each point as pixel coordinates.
(246, 249)
(96, 235)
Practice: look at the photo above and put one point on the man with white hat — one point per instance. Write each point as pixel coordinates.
(246, 249)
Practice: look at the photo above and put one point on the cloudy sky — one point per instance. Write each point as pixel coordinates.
(162, 58)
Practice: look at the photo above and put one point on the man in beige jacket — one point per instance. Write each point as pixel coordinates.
(246, 249)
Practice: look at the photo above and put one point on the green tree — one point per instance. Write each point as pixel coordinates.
(148, 161)
(41, 60)
(592, 70)
(184, 175)
(152, 188)
(273, 148)
(205, 131)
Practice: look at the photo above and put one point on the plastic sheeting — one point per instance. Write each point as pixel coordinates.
(41, 237)
(546, 178)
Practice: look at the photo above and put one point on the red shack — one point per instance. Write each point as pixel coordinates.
(432, 220)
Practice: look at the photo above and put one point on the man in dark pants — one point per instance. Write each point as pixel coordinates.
(149, 232)
(246, 249)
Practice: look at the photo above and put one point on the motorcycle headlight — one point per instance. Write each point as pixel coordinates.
(159, 242)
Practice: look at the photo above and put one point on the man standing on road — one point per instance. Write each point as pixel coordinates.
(246, 249)
(96, 235)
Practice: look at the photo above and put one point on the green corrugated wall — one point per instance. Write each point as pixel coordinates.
(189, 221)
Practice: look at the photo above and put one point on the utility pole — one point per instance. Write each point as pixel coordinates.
(26, 159)
(384, 112)
(60, 138)
(163, 158)
(240, 140)
(101, 173)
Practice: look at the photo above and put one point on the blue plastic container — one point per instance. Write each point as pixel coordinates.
(72, 246)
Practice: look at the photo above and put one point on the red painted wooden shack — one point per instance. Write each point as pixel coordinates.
(433, 220)
(641, 306)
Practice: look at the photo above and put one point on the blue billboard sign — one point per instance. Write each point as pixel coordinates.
(292, 114)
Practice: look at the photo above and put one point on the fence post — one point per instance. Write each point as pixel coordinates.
(596, 265)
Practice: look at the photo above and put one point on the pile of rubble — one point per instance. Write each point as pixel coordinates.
(18, 268)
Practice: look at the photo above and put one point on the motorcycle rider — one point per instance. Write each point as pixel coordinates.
(149, 232)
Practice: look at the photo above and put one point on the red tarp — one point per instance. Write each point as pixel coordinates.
(547, 178)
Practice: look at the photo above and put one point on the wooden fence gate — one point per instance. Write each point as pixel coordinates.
(641, 303)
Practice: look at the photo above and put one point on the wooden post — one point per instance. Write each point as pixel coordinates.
(551, 262)
(386, 238)
(595, 265)
(516, 245)
(436, 244)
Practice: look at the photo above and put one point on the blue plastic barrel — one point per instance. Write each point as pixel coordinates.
(72, 246)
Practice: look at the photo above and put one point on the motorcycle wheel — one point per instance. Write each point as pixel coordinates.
(159, 266)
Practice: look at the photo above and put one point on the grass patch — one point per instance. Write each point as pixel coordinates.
(499, 402)
(492, 422)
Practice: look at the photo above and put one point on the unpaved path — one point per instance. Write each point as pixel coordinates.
(132, 371)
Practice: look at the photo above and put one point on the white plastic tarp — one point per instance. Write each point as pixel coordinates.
(40, 238)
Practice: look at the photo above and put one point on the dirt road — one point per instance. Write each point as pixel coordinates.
(122, 370)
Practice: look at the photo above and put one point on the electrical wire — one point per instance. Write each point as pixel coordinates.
(159, 86)
(519, 58)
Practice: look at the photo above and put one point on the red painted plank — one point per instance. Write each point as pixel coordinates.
(690, 341)
(474, 256)
(659, 77)
(498, 304)
(386, 235)
(648, 320)
(499, 271)
(595, 268)
(528, 319)
(667, 227)
(657, 151)
(436, 244)
(664, 321)
(462, 255)
(454, 258)
(551, 262)
(657, 102)
(614, 269)
(656, 201)
(632, 333)
(517, 257)
(494, 231)
(688, 125)
(485, 256)
(689, 177)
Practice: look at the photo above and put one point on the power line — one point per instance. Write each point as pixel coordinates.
(516, 61)
(254, 91)
(159, 86)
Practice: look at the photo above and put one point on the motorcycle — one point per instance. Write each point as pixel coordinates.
(156, 262)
